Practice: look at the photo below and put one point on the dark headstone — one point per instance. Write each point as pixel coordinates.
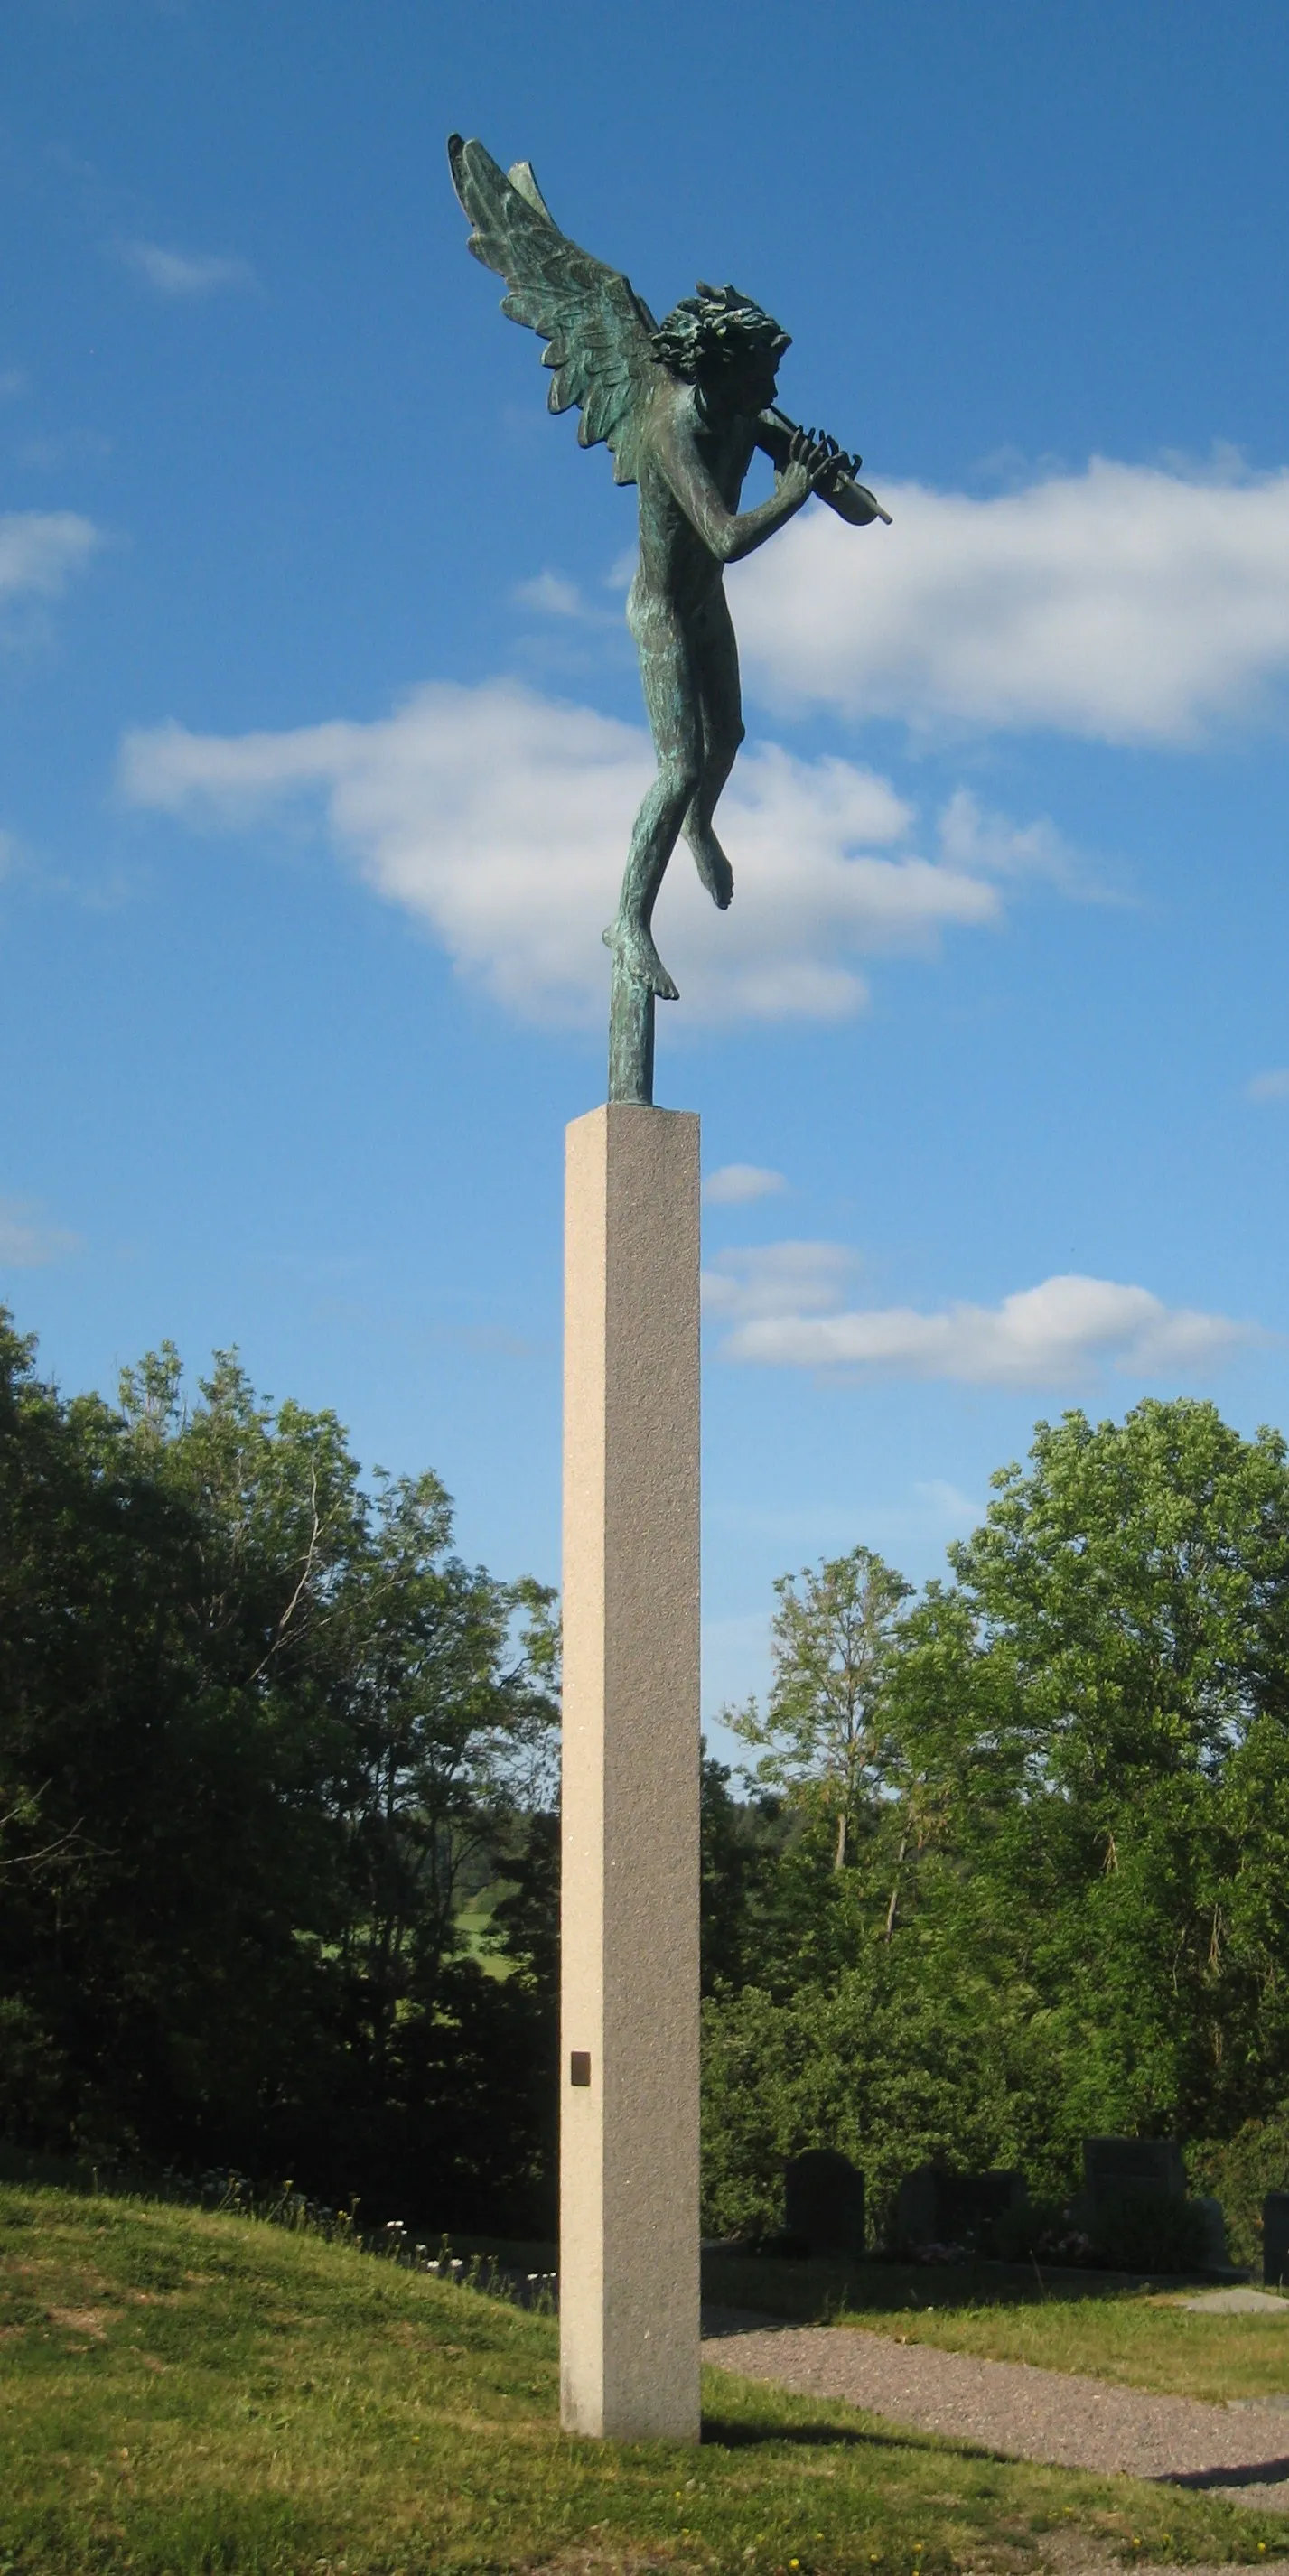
(1119, 2169)
(823, 2202)
(1275, 2239)
(1214, 2255)
(938, 2208)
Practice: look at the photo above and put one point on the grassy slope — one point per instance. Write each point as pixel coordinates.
(1134, 2336)
(186, 2392)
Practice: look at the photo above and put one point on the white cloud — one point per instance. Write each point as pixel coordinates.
(735, 1183)
(41, 549)
(553, 595)
(26, 1242)
(1272, 1085)
(947, 1505)
(501, 818)
(1129, 603)
(783, 1304)
(990, 844)
(776, 1280)
(178, 273)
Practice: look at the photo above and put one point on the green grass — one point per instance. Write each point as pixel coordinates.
(187, 2392)
(1062, 2321)
(474, 1924)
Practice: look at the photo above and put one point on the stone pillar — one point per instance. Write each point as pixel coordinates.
(629, 2284)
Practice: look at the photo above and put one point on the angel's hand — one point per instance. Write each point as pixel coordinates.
(813, 459)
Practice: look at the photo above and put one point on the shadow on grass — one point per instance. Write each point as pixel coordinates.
(739, 2433)
(736, 2433)
(1261, 2473)
(814, 2292)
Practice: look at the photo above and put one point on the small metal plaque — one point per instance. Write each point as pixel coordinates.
(579, 2066)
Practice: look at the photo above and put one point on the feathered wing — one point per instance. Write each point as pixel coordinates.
(597, 326)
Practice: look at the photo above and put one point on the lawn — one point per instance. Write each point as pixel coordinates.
(1061, 2320)
(187, 2392)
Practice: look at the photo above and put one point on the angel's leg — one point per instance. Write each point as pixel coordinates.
(671, 692)
(716, 659)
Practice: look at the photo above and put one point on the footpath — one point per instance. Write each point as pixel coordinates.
(1072, 2422)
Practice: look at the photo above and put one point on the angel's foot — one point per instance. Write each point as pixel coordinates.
(713, 867)
(635, 953)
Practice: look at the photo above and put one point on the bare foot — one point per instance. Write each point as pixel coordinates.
(636, 954)
(713, 867)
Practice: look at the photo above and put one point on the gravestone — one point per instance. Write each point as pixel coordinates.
(939, 2208)
(1275, 2237)
(1119, 2169)
(823, 2203)
(1214, 2257)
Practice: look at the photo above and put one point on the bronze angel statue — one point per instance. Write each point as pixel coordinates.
(682, 405)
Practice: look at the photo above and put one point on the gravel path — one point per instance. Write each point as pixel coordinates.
(1240, 2450)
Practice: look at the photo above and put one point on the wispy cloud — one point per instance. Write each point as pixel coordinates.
(946, 1504)
(40, 550)
(67, 447)
(991, 844)
(1272, 1085)
(181, 274)
(14, 382)
(736, 1183)
(553, 595)
(27, 1241)
(783, 1303)
(1129, 603)
(494, 814)
(773, 1281)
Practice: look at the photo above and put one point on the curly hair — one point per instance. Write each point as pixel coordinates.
(719, 323)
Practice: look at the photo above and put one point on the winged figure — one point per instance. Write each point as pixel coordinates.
(682, 405)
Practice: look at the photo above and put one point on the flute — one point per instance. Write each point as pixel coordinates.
(851, 500)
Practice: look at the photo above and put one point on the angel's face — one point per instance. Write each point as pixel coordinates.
(743, 381)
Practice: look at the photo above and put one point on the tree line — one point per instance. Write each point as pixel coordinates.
(260, 1732)
(1006, 1862)
(1015, 1869)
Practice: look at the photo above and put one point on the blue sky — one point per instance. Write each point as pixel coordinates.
(321, 732)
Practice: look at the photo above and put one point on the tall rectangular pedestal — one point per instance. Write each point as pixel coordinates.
(629, 2276)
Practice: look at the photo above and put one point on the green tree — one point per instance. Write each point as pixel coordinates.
(832, 1641)
(254, 1721)
(1072, 1843)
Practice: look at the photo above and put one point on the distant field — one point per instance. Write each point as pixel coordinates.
(474, 1922)
(187, 2393)
(1061, 2320)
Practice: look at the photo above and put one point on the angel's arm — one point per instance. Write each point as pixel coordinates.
(727, 534)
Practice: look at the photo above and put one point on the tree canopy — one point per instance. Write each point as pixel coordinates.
(259, 1728)
(1008, 1864)
(1066, 1901)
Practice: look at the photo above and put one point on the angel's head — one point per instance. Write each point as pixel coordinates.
(721, 340)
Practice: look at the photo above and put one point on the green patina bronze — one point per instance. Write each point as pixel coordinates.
(683, 405)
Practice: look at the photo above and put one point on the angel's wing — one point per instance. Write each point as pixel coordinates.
(597, 326)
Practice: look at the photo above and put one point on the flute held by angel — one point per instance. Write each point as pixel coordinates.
(850, 499)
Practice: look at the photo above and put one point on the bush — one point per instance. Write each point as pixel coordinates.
(1240, 2171)
(1040, 2232)
(890, 2080)
(1150, 2235)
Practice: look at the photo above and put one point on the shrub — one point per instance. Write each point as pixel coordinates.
(1240, 2171)
(1150, 2235)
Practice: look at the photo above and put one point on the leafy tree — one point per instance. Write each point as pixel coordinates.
(1069, 1850)
(1130, 1596)
(254, 1722)
(831, 1644)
